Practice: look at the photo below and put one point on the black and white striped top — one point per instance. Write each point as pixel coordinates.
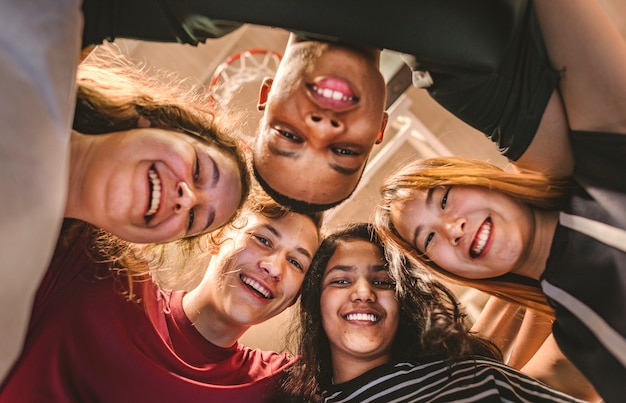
(469, 379)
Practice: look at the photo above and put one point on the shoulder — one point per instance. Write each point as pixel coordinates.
(268, 359)
(459, 379)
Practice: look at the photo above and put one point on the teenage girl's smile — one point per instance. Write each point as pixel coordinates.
(152, 185)
(468, 231)
(154, 193)
(358, 301)
(482, 239)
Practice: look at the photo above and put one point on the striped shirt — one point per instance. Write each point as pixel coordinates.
(470, 379)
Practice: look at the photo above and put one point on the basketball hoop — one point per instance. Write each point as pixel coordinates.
(242, 70)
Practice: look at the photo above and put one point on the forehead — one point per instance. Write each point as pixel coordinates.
(408, 213)
(170, 136)
(292, 178)
(291, 227)
(409, 203)
(356, 253)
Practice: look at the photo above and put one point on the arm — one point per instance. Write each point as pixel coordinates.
(532, 348)
(473, 50)
(499, 321)
(518, 332)
(550, 366)
(590, 54)
(587, 48)
(532, 333)
(407, 27)
(38, 57)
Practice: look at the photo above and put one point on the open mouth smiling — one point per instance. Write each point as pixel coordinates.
(482, 236)
(256, 287)
(362, 317)
(155, 193)
(333, 95)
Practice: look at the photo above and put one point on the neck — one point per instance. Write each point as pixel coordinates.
(81, 149)
(346, 368)
(534, 263)
(212, 324)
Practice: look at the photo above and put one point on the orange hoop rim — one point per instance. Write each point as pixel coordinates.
(236, 56)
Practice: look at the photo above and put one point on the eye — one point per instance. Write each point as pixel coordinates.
(290, 136)
(296, 264)
(192, 216)
(340, 282)
(444, 200)
(196, 173)
(344, 151)
(385, 284)
(263, 240)
(429, 238)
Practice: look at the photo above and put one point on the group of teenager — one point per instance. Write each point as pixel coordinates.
(148, 162)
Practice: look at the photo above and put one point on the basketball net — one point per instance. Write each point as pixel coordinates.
(240, 70)
(235, 84)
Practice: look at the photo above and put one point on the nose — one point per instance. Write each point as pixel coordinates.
(455, 229)
(185, 197)
(362, 291)
(326, 124)
(273, 266)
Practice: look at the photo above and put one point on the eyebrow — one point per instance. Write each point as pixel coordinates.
(210, 218)
(214, 179)
(344, 170)
(279, 236)
(293, 154)
(418, 229)
(216, 172)
(348, 268)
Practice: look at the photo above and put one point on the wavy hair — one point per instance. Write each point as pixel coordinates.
(114, 94)
(432, 324)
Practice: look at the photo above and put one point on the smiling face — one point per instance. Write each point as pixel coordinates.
(468, 231)
(360, 312)
(323, 112)
(259, 269)
(153, 185)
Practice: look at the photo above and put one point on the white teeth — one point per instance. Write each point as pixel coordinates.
(482, 238)
(257, 286)
(362, 316)
(155, 199)
(332, 94)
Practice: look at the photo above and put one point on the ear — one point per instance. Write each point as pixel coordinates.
(381, 133)
(264, 92)
(143, 122)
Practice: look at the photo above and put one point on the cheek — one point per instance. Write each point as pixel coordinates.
(326, 306)
(443, 256)
(390, 303)
(403, 221)
(510, 250)
(292, 284)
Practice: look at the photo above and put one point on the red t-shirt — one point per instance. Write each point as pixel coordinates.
(86, 342)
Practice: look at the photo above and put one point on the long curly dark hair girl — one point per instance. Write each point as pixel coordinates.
(432, 325)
